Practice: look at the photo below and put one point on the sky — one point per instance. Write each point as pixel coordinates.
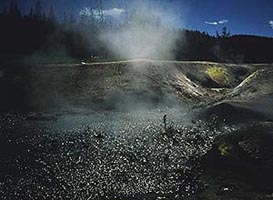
(252, 17)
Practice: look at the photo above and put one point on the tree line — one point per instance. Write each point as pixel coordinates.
(40, 31)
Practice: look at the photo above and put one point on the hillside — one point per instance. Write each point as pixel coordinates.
(138, 83)
(144, 128)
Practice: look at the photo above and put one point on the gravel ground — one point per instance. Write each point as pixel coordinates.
(114, 155)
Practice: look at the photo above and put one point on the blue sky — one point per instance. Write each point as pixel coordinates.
(243, 16)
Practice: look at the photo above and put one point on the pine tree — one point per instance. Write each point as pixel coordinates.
(31, 13)
(65, 19)
(225, 32)
(14, 11)
(71, 20)
(44, 17)
(5, 12)
(100, 11)
(38, 10)
(217, 34)
(11, 7)
(51, 15)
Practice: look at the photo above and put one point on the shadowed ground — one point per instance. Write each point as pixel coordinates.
(96, 131)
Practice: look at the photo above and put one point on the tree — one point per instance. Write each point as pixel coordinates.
(217, 34)
(14, 11)
(65, 19)
(44, 17)
(51, 15)
(5, 12)
(31, 13)
(38, 10)
(71, 20)
(225, 32)
(100, 11)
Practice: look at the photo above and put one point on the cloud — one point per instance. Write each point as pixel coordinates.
(113, 12)
(223, 21)
(212, 23)
(86, 11)
(216, 23)
(271, 23)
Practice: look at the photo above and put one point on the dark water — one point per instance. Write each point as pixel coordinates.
(82, 154)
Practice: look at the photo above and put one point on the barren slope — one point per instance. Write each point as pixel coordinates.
(119, 84)
(72, 153)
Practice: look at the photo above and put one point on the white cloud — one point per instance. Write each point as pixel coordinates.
(113, 12)
(86, 11)
(212, 23)
(223, 21)
(271, 23)
(216, 23)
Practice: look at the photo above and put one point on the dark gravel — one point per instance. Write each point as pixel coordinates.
(88, 155)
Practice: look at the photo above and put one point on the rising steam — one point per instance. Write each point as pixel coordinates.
(143, 35)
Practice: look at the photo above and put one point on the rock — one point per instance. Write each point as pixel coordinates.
(235, 112)
(246, 154)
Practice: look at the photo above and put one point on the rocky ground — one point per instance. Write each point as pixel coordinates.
(136, 130)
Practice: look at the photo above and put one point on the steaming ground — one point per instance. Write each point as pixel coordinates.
(128, 85)
(96, 131)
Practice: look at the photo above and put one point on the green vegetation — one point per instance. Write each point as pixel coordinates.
(224, 149)
(219, 75)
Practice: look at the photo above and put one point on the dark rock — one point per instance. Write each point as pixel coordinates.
(246, 154)
(232, 112)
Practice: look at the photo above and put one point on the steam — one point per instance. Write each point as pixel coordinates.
(143, 35)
